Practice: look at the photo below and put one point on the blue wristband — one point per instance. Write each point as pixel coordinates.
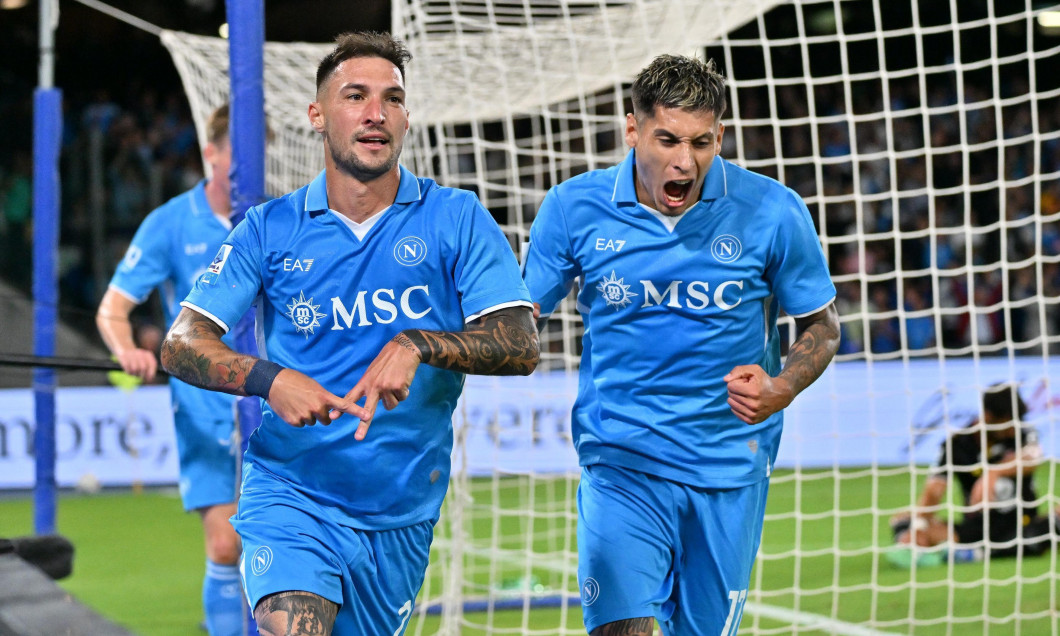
(261, 377)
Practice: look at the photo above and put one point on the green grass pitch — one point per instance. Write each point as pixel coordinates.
(139, 561)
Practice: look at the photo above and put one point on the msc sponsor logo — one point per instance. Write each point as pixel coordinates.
(726, 248)
(304, 315)
(696, 295)
(410, 250)
(381, 306)
(615, 292)
(262, 559)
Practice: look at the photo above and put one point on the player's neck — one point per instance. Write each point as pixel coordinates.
(219, 200)
(358, 200)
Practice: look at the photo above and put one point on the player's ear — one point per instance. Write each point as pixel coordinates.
(316, 117)
(209, 153)
(717, 139)
(631, 130)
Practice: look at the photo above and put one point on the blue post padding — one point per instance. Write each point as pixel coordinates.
(47, 136)
(246, 50)
(246, 46)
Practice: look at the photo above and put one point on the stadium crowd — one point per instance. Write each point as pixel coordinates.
(945, 229)
(936, 254)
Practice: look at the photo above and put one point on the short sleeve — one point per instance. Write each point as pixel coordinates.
(549, 268)
(233, 280)
(486, 272)
(797, 269)
(147, 262)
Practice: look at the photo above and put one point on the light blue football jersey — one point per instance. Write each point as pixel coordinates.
(173, 246)
(668, 314)
(327, 304)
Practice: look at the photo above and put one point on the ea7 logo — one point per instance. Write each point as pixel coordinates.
(297, 264)
(609, 245)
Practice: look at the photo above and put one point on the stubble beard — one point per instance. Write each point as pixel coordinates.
(352, 165)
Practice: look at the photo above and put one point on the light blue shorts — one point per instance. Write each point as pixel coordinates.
(652, 547)
(207, 453)
(289, 544)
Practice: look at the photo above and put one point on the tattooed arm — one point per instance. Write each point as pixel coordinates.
(503, 342)
(194, 353)
(754, 395)
(295, 614)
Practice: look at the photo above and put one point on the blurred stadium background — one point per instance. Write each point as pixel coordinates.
(923, 135)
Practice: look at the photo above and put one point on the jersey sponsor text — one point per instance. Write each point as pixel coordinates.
(385, 305)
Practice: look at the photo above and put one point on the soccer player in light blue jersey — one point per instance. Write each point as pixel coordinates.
(684, 260)
(172, 247)
(369, 283)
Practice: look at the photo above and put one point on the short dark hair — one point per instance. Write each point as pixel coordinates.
(1003, 401)
(363, 44)
(217, 125)
(678, 81)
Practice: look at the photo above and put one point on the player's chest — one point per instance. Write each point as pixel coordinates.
(704, 251)
(381, 278)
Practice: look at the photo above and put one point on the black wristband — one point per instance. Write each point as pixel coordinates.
(261, 377)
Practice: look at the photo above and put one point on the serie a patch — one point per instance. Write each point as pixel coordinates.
(219, 261)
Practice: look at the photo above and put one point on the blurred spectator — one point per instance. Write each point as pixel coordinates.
(890, 191)
(920, 326)
(16, 205)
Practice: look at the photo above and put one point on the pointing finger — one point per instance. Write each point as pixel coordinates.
(371, 400)
(362, 431)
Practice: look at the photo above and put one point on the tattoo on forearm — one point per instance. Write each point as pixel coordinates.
(295, 614)
(407, 343)
(811, 352)
(627, 627)
(194, 353)
(501, 343)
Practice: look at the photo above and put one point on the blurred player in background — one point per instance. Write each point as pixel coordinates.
(172, 247)
(371, 283)
(683, 260)
(993, 460)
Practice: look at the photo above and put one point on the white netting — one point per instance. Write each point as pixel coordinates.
(923, 136)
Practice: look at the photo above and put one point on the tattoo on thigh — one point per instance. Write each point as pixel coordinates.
(295, 614)
(628, 627)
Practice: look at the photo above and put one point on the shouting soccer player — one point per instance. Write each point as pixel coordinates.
(375, 284)
(684, 260)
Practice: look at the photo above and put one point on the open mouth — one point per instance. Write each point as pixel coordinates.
(373, 141)
(677, 191)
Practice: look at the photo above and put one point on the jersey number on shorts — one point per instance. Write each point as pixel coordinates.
(736, 601)
(405, 613)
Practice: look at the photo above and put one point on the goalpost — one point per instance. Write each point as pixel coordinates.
(924, 136)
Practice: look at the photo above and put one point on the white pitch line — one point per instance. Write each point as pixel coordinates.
(815, 621)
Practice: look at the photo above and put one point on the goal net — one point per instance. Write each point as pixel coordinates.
(924, 136)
